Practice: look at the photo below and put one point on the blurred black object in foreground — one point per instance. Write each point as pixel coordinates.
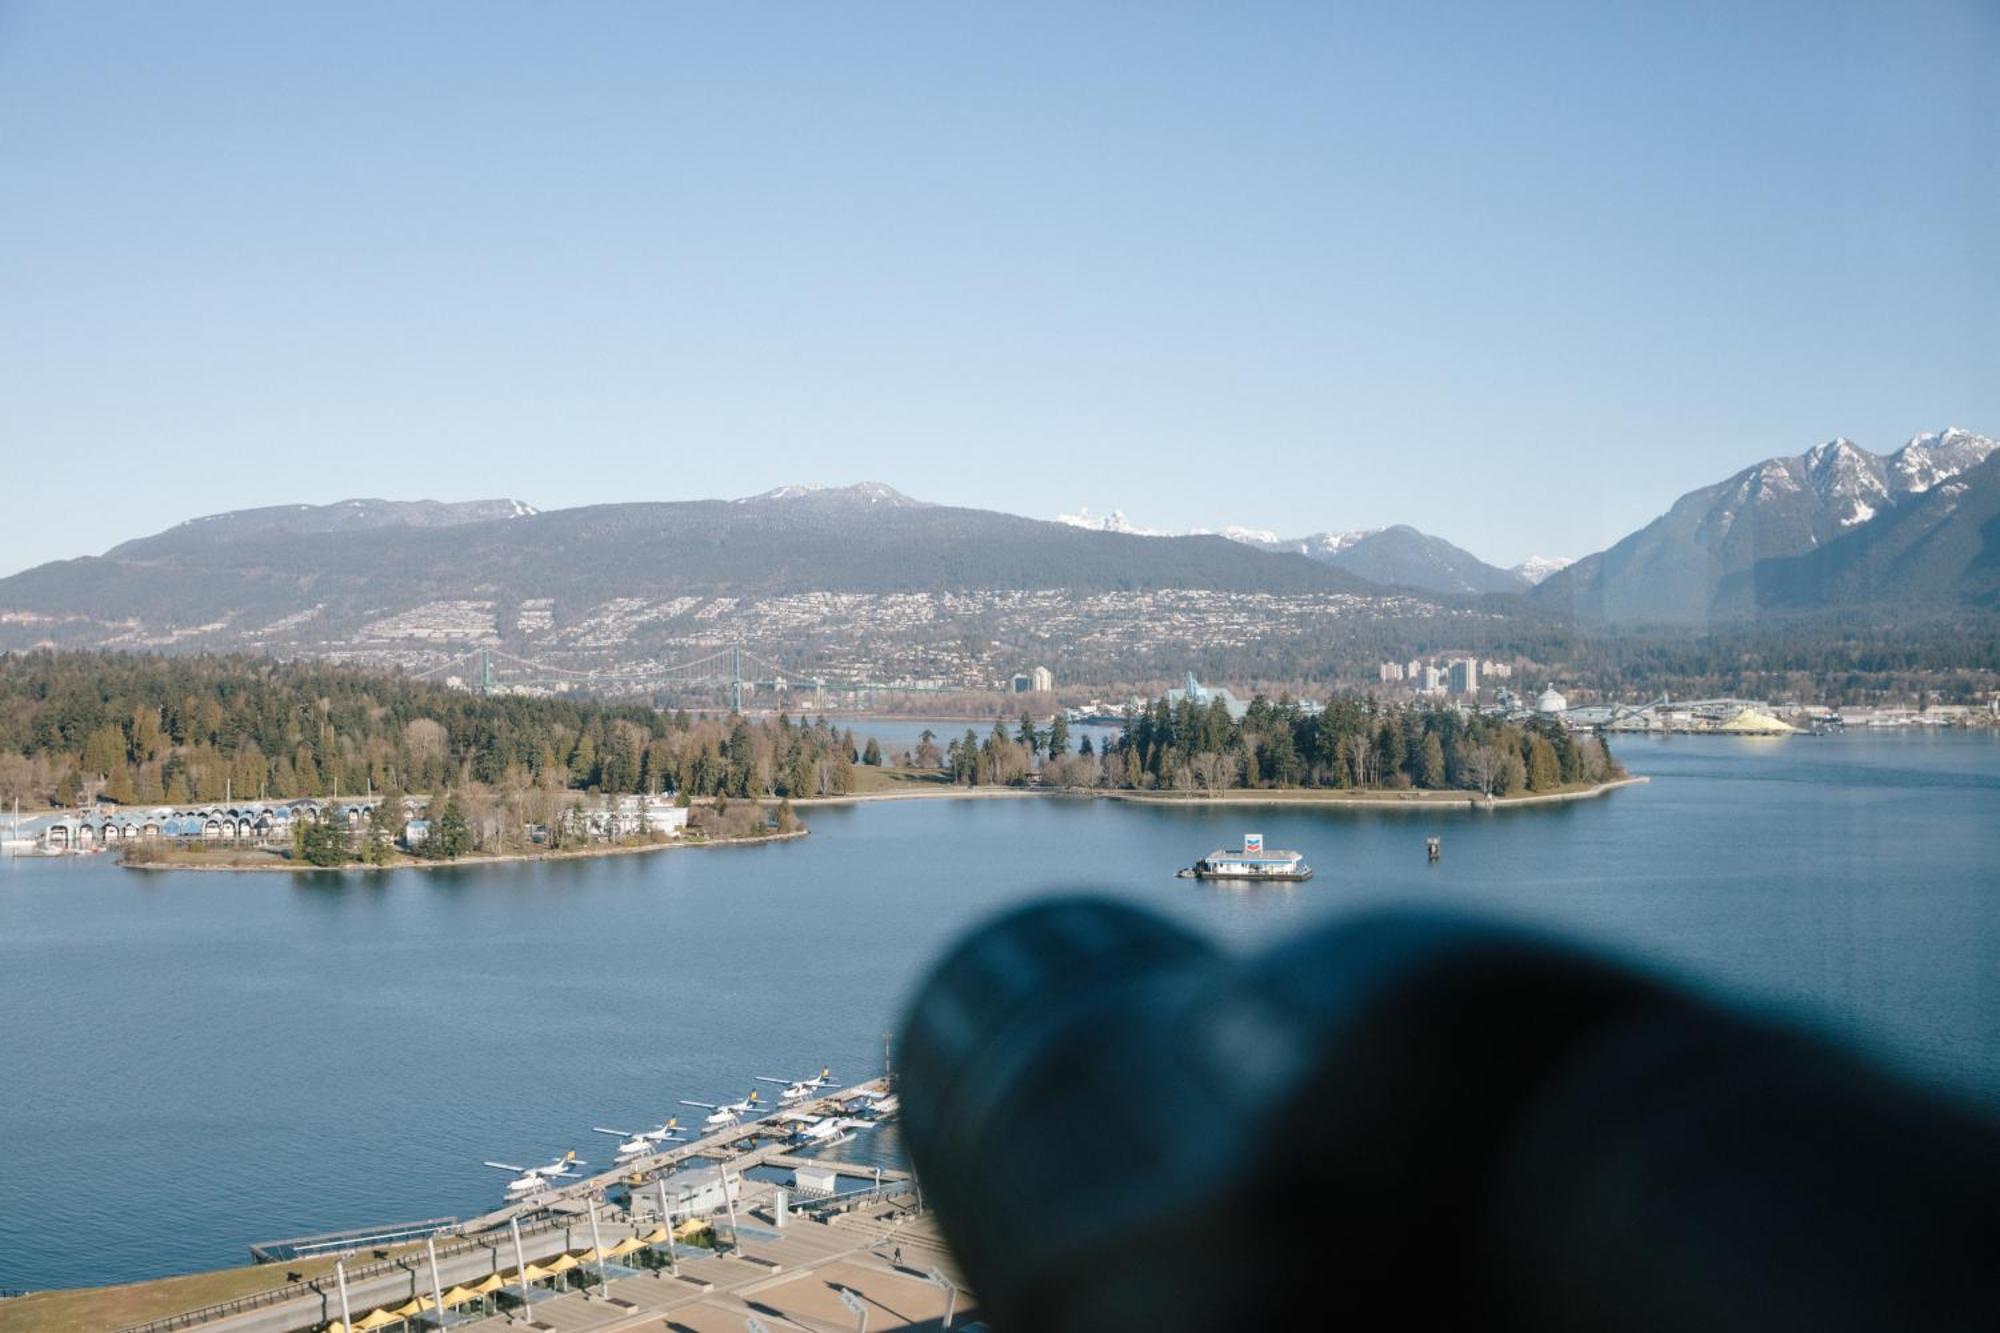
(1440, 1121)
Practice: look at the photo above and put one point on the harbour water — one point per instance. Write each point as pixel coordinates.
(192, 1062)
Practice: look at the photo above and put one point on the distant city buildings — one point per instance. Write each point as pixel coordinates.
(1457, 675)
(1036, 680)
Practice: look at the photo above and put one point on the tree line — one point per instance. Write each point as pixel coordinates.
(144, 729)
(1352, 743)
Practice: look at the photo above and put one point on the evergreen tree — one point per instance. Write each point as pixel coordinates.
(872, 756)
(450, 836)
(1544, 769)
(1058, 738)
(1430, 764)
(324, 842)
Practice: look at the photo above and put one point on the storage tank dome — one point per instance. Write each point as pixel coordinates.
(1551, 702)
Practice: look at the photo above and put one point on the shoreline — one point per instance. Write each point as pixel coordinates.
(504, 858)
(1412, 800)
(1295, 797)
(1323, 796)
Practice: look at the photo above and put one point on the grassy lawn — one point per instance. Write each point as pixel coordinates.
(135, 1302)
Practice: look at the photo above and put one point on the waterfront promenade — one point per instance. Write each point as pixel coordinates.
(771, 1260)
(788, 1279)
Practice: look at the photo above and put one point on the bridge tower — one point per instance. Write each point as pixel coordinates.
(736, 679)
(485, 671)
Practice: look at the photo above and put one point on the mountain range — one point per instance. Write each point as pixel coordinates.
(355, 562)
(1397, 556)
(1834, 527)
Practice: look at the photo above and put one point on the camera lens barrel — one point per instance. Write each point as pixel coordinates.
(1120, 1127)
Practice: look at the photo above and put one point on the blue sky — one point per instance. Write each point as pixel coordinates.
(1518, 275)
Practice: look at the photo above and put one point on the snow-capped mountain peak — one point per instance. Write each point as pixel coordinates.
(1848, 479)
(861, 492)
(1324, 544)
(1250, 536)
(1936, 457)
(1538, 567)
(1115, 521)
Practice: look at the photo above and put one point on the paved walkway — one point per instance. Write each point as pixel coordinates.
(789, 1281)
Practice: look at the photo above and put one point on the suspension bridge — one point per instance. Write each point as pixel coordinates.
(735, 669)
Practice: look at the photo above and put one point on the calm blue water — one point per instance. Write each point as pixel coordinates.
(193, 1062)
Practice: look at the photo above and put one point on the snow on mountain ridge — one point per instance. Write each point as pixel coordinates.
(867, 492)
(1538, 567)
(1115, 521)
(1938, 456)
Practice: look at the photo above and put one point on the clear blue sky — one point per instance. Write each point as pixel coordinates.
(1518, 274)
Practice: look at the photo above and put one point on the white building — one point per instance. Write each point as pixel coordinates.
(1202, 695)
(696, 1190)
(1551, 703)
(1391, 672)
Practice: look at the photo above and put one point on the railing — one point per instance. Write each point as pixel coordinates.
(334, 1242)
(301, 1290)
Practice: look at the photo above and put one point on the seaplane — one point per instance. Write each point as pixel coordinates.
(529, 1179)
(644, 1142)
(797, 1090)
(731, 1113)
(823, 1131)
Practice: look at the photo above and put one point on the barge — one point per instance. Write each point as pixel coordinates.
(1251, 861)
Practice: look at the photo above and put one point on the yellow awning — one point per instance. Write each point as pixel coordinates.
(335, 1327)
(376, 1319)
(625, 1247)
(461, 1295)
(562, 1263)
(491, 1282)
(694, 1226)
(532, 1273)
(657, 1236)
(415, 1305)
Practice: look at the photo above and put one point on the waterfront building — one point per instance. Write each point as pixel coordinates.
(1203, 695)
(1551, 703)
(252, 822)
